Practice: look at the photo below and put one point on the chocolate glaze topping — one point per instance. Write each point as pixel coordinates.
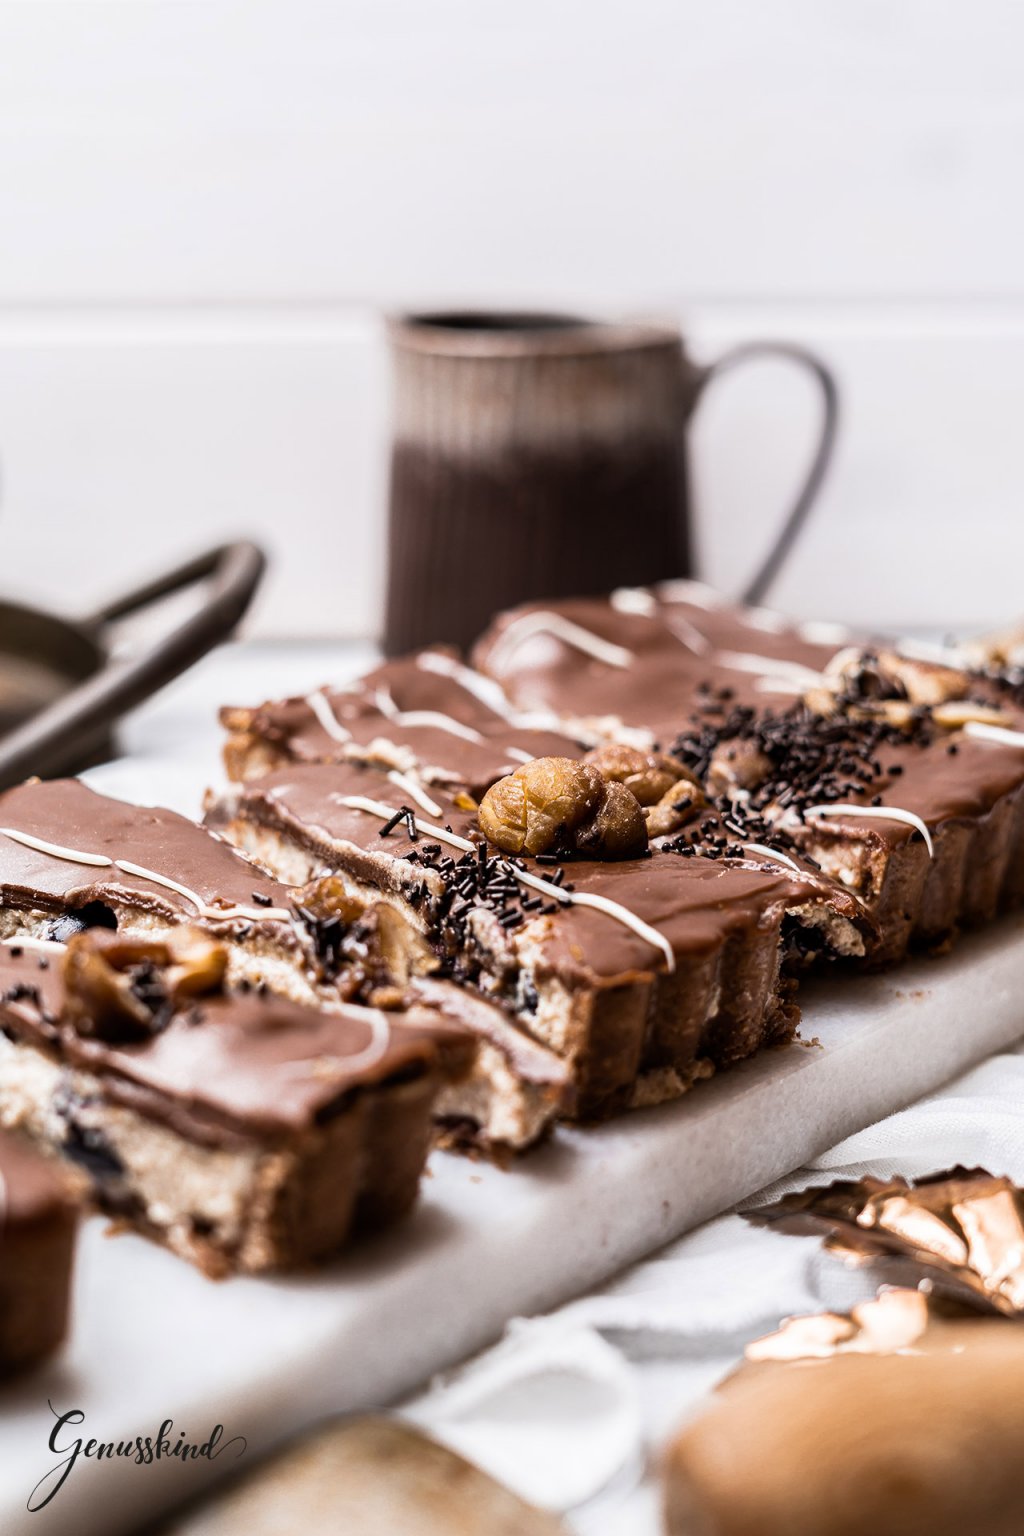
(697, 904)
(64, 813)
(652, 692)
(307, 803)
(709, 682)
(531, 1062)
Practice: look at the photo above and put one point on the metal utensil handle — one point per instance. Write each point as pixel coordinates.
(234, 571)
(795, 519)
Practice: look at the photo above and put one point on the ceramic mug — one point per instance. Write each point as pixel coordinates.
(544, 456)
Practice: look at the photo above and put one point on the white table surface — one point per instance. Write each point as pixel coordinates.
(152, 1338)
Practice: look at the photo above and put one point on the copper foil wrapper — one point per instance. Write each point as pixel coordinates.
(959, 1233)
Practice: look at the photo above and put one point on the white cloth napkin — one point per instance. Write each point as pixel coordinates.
(569, 1407)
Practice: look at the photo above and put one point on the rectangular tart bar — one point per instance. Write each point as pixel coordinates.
(38, 1221)
(426, 715)
(246, 1132)
(631, 666)
(642, 974)
(72, 859)
(901, 776)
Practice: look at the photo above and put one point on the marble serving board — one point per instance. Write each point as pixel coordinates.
(152, 1340)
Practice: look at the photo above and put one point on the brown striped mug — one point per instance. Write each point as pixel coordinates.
(539, 456)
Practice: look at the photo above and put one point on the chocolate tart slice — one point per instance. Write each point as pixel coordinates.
(915, 801)
(73, 859)
(245, 1132)
(642, 974)
(425, 715)
(899, 774)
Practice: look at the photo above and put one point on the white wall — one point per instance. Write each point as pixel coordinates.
(202, 203)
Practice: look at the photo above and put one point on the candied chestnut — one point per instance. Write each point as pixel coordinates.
(821, 701)
(120, 988)
(617, 829)
(955, 714)
(647, 775)
(866, 676)
(738, 765)
(925, 682)
(528, 810)
(677, 806)
(558, 803)
(385, 949)
(361, 944)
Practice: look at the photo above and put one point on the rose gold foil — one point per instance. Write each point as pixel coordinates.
(961, 1232)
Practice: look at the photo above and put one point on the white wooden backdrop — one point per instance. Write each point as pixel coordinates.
(204, 202)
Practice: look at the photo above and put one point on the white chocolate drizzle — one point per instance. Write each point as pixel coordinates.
(362, 1060)
(639, 600)
(221, 914)
(981, 731)
(566, 898)
(773, 853)
(376, 1047)
(490, 692)
(931, 650)
(544, 622)
(698, 593)
(779, 685)
(56, 850)
(100, 861)
(771, 666)
(823, 632)
(600, 904)
(634, 600)
(766, 619)
(687, 634)
(406, 782)
(847, 656)
(385, 812)
(486, 689)
(320, 705)
(596, 729)
(423, 717)
(882, 813)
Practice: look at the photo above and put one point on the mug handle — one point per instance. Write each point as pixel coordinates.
(796, 518)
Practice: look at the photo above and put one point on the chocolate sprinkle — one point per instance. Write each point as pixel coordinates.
(814, 759)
